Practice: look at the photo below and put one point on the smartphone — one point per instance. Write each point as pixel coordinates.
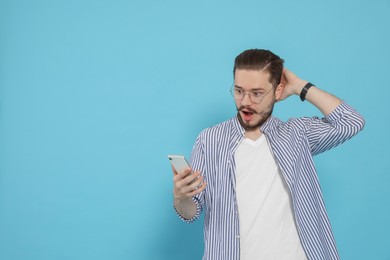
(179, 162)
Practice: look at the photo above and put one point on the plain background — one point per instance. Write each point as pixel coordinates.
(95, 94)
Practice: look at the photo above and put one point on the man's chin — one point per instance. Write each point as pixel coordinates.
(250, 126)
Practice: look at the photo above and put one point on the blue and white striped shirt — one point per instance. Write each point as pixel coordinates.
(293, 144)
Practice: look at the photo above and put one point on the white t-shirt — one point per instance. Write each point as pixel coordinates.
(267, 225)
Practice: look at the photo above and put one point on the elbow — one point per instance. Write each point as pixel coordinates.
(355, 125)
(360, 123)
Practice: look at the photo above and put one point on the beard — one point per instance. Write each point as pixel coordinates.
(264, 115)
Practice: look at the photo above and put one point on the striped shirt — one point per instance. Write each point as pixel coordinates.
(293, 144)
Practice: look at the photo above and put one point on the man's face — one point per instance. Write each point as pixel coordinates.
(250, 114)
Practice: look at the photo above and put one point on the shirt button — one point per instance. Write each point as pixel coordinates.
(238, 237)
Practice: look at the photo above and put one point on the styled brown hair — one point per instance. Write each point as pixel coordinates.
(258, 59)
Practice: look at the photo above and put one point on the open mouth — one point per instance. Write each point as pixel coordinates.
(247, 115)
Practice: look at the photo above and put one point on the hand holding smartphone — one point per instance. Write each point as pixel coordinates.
(185, 185)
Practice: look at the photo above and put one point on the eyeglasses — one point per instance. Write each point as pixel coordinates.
(255, 96)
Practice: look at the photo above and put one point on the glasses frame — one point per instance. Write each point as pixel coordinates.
(250, 95)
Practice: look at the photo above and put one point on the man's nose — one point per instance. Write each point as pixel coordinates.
(246, 99)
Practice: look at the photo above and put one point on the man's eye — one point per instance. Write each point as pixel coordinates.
(257, 94)
(239, 91)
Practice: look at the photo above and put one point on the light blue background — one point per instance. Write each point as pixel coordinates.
(95, 94)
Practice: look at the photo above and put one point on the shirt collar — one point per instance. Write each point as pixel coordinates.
(237, 127)
(269, 124)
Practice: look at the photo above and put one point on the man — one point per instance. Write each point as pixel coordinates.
(254, 175)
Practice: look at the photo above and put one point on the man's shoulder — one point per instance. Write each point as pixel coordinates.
(222, 126)
(218, 130)
(292, 124)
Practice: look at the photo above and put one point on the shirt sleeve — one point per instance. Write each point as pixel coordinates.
(197, 164)
(336, 128)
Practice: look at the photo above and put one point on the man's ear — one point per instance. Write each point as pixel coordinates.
(278, 91)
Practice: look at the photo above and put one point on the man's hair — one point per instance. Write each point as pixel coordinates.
(258, 59)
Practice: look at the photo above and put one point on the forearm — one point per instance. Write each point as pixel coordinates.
(324, 101)
(185, 207)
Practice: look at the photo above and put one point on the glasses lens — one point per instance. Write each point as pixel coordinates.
(239, 94)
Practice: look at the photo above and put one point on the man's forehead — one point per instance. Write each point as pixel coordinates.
(254, 79)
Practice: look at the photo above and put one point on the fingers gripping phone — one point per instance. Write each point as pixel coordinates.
(179, 162)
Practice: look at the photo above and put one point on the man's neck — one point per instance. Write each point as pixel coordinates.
(253, 134)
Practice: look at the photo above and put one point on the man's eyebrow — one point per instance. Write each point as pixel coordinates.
(253, 89)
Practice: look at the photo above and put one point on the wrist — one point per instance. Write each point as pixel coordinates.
(180, 199)
(304, 91)
(299, 86)
(186, 207)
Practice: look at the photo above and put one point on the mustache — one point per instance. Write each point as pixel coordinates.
(249, 109)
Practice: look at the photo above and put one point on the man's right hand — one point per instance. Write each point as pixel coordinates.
(187, 183)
